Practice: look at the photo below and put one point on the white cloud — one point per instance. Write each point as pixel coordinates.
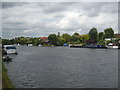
(61, 1)
(42, 19)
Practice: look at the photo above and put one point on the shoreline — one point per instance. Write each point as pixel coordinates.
(6, 82)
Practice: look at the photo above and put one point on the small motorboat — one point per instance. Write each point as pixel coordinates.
(10, 49)
(112, 46)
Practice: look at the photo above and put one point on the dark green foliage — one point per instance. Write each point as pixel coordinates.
(29, 42)
(66, 37)
(76, 34)
(53, 39)
(7, 42)
(93, 34)
(109, 33)
(73, 38)
(101, 36)
(61, 41)
(58, 34)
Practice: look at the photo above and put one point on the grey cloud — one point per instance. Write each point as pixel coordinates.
(42, 19)
(59, 16)
(55, 7)
(14, 27)
(11, 34)
(94, 8)
(53, 10)
(0, 4)
(12, 4)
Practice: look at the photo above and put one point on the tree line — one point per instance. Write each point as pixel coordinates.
(93, 37)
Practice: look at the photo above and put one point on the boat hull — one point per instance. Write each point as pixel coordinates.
(113, 47)
(96, 47)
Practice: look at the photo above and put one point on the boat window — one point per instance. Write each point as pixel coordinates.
(10, 47)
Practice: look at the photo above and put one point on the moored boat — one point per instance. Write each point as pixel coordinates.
(89, 46)
(112, 46)
(10, 49)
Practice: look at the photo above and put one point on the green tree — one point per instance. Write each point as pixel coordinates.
(66, 37)
(93, 35)
(61, 41)
(53, 39)
(101, 42)
(22, 40)
(101, 36)
(6, 42)
(36, 41)
(76, 34)
(58, 34)
(29, 42)
(73, 38)
(16, 41)
(84, 38)
(109, 33)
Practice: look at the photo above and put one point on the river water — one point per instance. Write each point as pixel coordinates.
(63, 67)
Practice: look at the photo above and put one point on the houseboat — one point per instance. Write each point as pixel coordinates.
(89, 46)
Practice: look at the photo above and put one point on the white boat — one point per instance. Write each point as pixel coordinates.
(30, 45)
(112, 46)
(39, 45)
(10, 49)
(115, 47)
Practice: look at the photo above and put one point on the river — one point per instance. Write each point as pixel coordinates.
(63, 67)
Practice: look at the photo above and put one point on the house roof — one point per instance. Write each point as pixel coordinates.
(43, 38)
(117, 35)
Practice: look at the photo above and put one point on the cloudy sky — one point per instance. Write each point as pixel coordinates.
(44, 18)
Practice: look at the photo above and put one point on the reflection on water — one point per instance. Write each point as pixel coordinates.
(61, 67)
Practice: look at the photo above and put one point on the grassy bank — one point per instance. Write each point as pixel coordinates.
(5, 79)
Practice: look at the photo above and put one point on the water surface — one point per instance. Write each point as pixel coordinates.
(64, 67)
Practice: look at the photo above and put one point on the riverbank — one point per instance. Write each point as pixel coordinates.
(6, 83)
